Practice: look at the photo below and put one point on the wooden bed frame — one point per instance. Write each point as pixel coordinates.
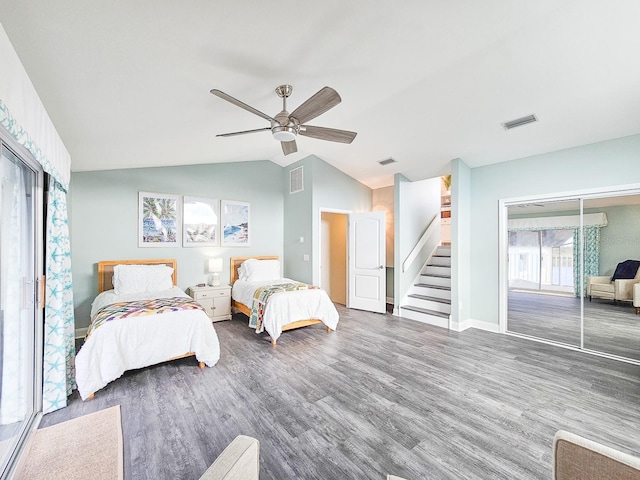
(105, 282)
(241, 307)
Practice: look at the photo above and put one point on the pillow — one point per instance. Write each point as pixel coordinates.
(254, 270)
(141, 278)
(243, 273)
(626, 270)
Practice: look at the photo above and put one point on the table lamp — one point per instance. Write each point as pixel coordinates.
(215, 267)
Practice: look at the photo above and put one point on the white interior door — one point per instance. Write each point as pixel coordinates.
(367, 272)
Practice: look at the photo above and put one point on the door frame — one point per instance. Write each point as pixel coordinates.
(31, 424)
(318, 265)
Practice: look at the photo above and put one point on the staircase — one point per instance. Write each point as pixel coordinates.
(429, 300)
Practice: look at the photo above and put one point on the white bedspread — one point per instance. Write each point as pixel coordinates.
(288, 307)
(126, 344)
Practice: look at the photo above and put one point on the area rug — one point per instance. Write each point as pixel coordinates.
(87, 447)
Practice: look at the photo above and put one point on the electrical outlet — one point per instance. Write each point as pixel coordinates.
(305, 258)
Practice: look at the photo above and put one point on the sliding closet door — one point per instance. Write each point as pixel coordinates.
(610, 324)
(543, 266)
(20, 384)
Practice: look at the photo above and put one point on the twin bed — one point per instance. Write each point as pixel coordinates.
(141, 318)
(255, 281)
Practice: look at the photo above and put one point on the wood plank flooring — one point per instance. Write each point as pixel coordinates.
(379, 395)
(609, 327)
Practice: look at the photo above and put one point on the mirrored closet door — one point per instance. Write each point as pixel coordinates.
(542, 270)
(610, 323)
(573, 272)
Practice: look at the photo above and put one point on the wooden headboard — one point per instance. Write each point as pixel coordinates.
(237, 261)
(105, 270)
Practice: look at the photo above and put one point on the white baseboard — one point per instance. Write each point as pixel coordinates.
(479, 324)
(81, 332)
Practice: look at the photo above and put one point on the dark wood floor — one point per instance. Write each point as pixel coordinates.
(609, 327)
(380, 395)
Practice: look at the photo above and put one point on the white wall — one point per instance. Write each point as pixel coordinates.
(416, 205)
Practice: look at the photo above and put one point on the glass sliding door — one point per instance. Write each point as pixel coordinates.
(542, 265)
(20, 317)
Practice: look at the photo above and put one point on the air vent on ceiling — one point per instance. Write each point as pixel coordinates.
(296, 181)
(387, 161)
(518, 122)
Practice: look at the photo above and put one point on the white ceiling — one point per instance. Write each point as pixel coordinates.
(423, 81)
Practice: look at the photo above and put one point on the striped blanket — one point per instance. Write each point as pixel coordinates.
(140, 308)
(262, 295)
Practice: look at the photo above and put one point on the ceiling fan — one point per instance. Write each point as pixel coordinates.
(286, 126)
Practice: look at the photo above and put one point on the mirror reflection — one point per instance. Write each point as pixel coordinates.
(576, 279)
(613, 284)
(543, 299)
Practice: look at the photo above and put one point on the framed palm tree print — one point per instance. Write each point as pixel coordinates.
(158, 220)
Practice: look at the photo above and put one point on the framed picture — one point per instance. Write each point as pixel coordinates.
(236, 229)
(158, 220)
(200, 222)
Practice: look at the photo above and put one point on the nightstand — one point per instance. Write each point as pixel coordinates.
(215, 300)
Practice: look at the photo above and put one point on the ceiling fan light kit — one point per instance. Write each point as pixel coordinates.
(286, 126)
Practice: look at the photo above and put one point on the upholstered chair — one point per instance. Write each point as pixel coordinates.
(578, 458)
(239, 461)
(615, 288)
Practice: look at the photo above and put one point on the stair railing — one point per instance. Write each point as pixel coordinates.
(431, 230)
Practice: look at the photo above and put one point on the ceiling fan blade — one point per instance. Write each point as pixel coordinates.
(289, 147)
(331, 134)
(240, 104)
(316, 105)
(233, 134)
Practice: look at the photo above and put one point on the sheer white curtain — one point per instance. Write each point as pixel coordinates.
(17, 324)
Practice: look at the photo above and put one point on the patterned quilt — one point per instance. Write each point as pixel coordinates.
(262, 295)
(138, 308)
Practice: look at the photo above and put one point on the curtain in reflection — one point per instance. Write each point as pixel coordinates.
(59, 348)
(591, 257)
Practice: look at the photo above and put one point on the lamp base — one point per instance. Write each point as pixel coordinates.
(214, 281)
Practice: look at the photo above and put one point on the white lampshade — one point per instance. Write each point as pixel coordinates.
(215, 265)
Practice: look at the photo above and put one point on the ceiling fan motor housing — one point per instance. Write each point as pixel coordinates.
(286, 129)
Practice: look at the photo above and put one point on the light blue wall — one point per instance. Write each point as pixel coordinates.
(601, 165)
(620, 239)
(334, 190)
(104, 218)
(297, 223)
(417, 204)
(460, 242)
(326, 187)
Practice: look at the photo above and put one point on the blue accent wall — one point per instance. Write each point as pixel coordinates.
(104, 218)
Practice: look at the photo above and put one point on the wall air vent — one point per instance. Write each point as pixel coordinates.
(387, 161)
(296, 180)
(518, 122)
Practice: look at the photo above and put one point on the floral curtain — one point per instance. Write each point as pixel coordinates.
(59, 326)
(591, 249)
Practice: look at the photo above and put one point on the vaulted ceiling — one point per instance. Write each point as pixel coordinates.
(422, 81)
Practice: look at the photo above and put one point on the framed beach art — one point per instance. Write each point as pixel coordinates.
(158, 220)
(235, 220)
(200, 222)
